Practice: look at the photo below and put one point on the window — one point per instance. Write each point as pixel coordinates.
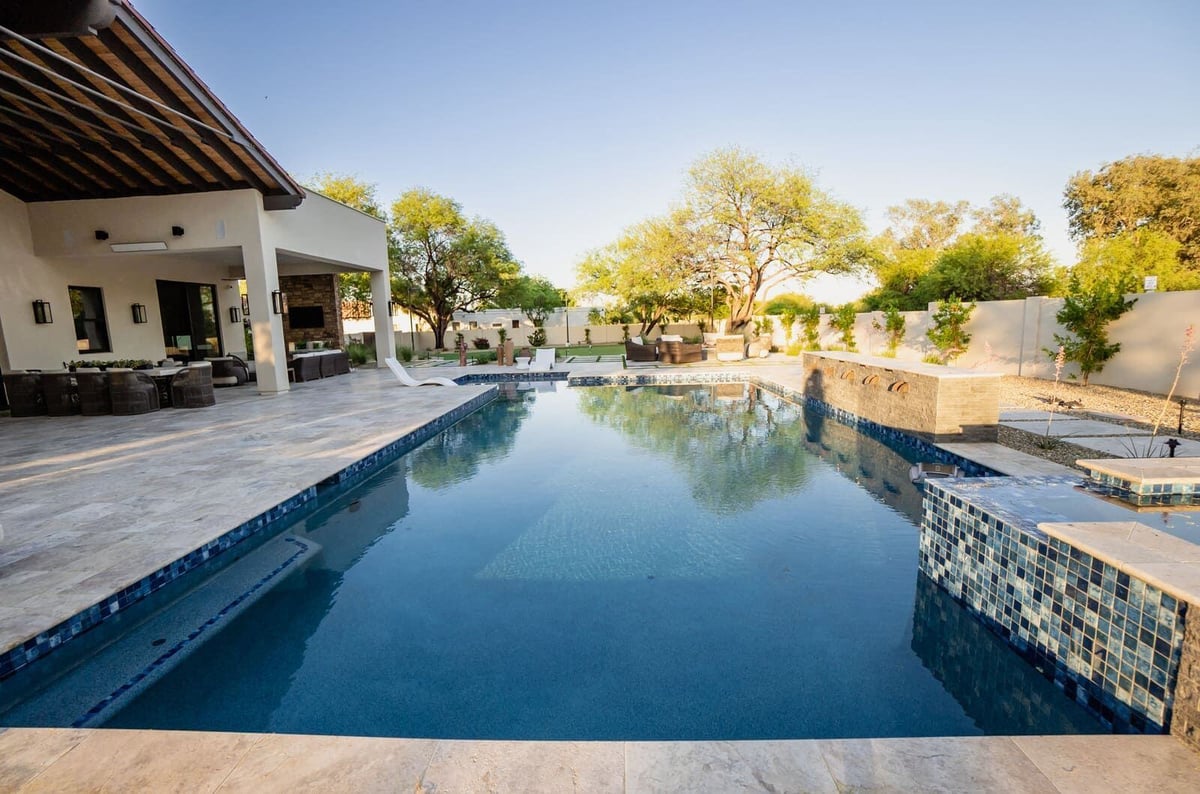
(516, 323)
(91, 329)
(474, 324)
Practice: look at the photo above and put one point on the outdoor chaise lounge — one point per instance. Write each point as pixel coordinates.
(408, 380)
(543, 360)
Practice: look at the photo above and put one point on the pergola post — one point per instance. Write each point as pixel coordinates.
(381, 296)
(266, 327)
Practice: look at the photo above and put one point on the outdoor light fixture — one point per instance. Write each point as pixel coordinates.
(101, 234)
(391, 308)
(246, 305)
(177, 231)
(235, 314)
(129, 248)
(279, 302)
(139, 313)
(41, 312)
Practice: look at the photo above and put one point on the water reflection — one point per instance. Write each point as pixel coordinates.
(998, 690)
(734, 444)
(454, 456)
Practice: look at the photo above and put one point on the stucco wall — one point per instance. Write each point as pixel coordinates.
(1011, 337)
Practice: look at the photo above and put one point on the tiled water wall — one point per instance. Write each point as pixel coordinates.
(1112, 641)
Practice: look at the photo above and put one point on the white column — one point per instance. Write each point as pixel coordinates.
(266, 327)
(381, 293)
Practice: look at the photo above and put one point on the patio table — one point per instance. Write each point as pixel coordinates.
(162, 379)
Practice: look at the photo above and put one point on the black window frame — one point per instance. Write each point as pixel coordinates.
(99, 321)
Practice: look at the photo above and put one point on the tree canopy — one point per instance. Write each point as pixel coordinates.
(1142, 192)
(755, 226)
(535, 296)
(445, 262)
(1125, 259)
(929, 254)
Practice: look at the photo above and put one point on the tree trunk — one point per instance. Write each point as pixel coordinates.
(441, 326)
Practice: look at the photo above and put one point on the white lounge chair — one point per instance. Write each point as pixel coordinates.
(543, 360)
(408, 380)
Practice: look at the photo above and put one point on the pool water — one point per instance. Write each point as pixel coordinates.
(699, 562)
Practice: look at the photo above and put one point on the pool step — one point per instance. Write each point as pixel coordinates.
(145, 653)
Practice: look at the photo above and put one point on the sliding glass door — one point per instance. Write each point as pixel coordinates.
(189, 320)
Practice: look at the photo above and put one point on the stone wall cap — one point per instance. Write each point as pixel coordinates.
(897, 365)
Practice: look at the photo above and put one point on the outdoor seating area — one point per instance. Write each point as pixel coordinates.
(318, 364)
(669, 349)
(120, 391)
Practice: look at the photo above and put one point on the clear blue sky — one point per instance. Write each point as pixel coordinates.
(565, 121)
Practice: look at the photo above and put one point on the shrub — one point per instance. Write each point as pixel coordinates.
(484, 357)
(794, 349)
(893, 325)
(624, 333)
(481, 343)
(811, 319)
(537, 337)
(359, 353)
(1086, 314)
(843, 320)
(405, 354)
(947, 333)
(458, 341)
(502, 335)
(587, 336)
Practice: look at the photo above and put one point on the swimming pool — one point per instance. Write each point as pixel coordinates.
(683, 562)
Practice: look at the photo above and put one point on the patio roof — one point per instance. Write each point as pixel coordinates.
(95, 104)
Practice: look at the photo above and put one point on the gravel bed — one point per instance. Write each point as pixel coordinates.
(1133, 409)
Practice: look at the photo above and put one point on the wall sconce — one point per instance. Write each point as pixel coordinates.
(41, 312)
(177, 231)
(246, 305)
(139, 313)
(279, 302)
(235, 314)
(101, 234)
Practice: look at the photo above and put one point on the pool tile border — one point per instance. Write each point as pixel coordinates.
(45, 643)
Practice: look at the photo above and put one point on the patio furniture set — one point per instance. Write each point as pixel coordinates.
(318, 364)
(667, 350)
(93, 391)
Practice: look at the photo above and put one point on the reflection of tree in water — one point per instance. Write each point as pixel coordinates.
(1000, 691)
(454, 455)
(734, 444)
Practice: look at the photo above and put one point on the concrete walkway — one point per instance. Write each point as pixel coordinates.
(1109, 437)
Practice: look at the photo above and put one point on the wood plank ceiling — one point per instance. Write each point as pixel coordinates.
(116, 112)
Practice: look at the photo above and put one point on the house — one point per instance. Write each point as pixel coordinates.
(133, 206)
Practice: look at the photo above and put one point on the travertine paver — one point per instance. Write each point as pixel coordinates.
(47, 759)
(1006, 460)
(1140, 446)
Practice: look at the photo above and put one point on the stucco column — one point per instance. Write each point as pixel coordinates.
(266, 327)
(381, 294)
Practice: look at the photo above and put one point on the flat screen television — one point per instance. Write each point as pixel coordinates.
(306, 317)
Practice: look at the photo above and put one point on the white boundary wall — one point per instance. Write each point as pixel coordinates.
(1010, 337)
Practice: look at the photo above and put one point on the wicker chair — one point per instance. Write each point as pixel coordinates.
(192, 387)
(341, 362)
(328, 369)
(680, 353)
(58, 390)
(306, 368)
(229, 371)
(24, 390)
(132, 392)
(636, 352)
(94, 399)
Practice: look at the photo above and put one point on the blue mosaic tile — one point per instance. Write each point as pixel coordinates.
(1110, 641)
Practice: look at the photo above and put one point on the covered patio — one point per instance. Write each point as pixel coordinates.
(134, 206)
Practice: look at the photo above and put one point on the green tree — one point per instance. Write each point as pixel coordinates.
(948, 333)
(894, 326)
(445, 262)
(918, 230)
(535, 296)
(650, 271)
(1086, 314)
(756, 226)
(787, 307)
(1005, 214)
(362, 196)
(1139, 192)
(842, 320)
(988, 267)
(1124, 259)
(810, 319)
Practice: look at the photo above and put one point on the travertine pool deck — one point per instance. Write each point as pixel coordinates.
(36, 760)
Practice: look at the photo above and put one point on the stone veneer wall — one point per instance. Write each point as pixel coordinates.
(933, 402)
(320, 290)
(1111, 641)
